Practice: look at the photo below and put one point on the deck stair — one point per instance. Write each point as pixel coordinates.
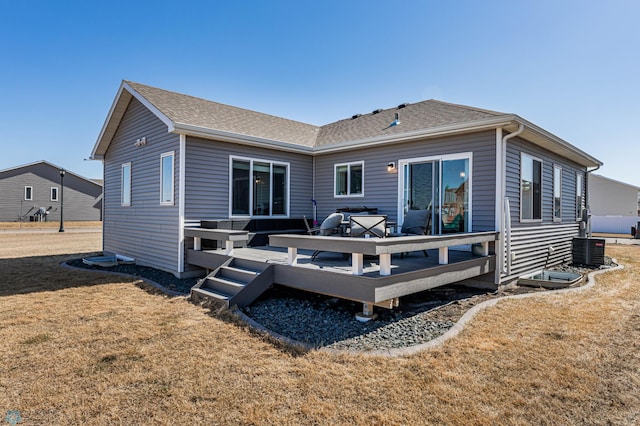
(236, 282)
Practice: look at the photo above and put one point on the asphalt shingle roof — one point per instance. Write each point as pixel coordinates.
(412, 117)
(206, 114)
(199, 112)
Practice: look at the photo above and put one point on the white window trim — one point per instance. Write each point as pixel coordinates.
(122, 203)
(30, 198)
(335, 171)
(173, 157)
(57, 198)
(578, 209)
(446, 157)
(272, 163)
(523, 154)
(553, 198)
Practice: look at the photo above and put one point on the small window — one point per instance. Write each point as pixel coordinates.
(54, 193)
(531, 188)
(125, 185)
(348, 179)
(166, 178)
(28, 193)
(557, 193)
(579, 194)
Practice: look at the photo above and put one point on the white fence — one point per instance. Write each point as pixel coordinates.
(614, 224)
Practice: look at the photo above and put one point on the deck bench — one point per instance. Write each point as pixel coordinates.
(229, 236)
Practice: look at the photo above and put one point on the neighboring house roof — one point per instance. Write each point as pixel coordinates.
(35, 163)
(597, 176)
(198, 117)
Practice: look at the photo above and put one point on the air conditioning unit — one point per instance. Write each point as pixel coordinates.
(588, 251)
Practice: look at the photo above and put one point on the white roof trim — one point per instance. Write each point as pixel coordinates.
(116, 112)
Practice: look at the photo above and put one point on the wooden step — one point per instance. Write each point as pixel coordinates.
(249, 265)
(223, 286)
(210, 294)
(236, 274)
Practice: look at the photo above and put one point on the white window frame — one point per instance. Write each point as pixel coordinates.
(553, 198)
(440, 158)
(272, 163)
(169, 202)
(30, 190)
(122, 188)
(57, 191)
(335, 175)
(533, 158)
(579, 193)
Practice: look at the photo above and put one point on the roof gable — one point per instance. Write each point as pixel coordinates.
(51, 166)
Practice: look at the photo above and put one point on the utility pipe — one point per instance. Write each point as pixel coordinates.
(586, 197)
(505, 240)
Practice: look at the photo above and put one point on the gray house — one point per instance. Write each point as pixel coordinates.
(172, 161)
(613, 205)
(31, 192)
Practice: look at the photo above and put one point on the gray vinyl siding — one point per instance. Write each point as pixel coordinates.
(530, 241)
(145, 230)
(207, 177)
(569, 169)
(381, 187)
(81, 197)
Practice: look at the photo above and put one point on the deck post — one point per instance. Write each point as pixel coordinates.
(443, 255)
(197, 243)
(357, 260)
(485, 248)
(228, 250)
(385, 264)
(292, 256)
(367, 312)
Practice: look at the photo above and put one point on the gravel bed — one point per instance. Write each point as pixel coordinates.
(321, 321)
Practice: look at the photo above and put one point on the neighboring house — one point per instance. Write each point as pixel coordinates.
(171, 160)
(613, 205)
(32, 192)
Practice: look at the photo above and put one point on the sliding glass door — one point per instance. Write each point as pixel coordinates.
(258, 188)
(442, 186)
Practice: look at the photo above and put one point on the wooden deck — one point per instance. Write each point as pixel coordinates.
(333, 273)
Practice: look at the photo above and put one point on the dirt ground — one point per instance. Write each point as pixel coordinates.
(87, 348)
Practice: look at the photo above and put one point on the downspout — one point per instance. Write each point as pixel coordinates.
(586, 199)
(506, 234)
(181, 201)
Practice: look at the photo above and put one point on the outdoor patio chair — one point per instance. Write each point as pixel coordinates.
(329, 226)
(368, 225)
(416, 222)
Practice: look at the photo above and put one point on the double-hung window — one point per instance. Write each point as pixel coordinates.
(28, 193)
(259, 187)
(557, 193)
(348, 179)
(54, 193)
(530, 188)
(166, 178)
(125, 185)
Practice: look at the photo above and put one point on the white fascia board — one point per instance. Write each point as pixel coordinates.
(488, 124)
(124, 86)
(239, 138)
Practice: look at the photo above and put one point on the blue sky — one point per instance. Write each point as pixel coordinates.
(571, 67)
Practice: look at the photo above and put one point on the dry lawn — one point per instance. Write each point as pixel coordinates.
(48, 225)
(87, 348)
